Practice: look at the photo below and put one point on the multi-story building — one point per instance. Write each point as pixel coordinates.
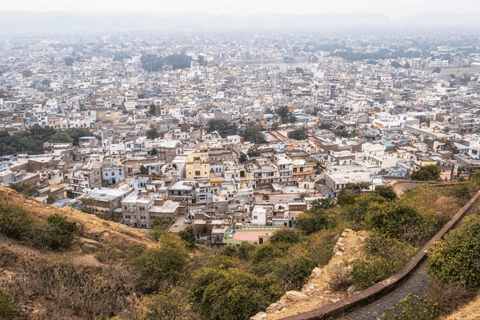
(197, 166)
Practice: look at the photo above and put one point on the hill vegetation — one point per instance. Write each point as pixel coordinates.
(77, 266)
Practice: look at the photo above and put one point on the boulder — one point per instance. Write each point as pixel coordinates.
(296, 296)
(316, 273)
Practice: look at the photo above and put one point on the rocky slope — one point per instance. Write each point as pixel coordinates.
(321, 287)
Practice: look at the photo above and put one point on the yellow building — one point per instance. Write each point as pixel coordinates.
(245, 176)
(197, 166)
(424, 161)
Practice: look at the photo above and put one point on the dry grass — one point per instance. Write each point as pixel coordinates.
(471, 311)
(90, 225)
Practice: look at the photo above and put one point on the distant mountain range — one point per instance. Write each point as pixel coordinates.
(25, 21)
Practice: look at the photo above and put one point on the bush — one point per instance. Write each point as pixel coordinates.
(386, 192)
(426, 173)
(232, 294)
(385, 257)
(312, 221)
(394, 220)
(188, 235)
(25, 189)
(160, 226)
(165, 306)
(462, 251)
(448, 296)
(293, 272)
(284, 235)
(162, 268)
(412, 307)
(59, 232)
(15, 221)
(7, 312)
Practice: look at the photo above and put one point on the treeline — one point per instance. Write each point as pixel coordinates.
(31, 141)
(152, 62)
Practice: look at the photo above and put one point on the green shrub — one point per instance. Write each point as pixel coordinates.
(313, 220)
(457, 257)
(188, 235)
(426, 173)
(394, 220)
(15, 221)
(386, 192)
(160, 226)
(59, 232)
(293, 272)
(412, 307)
(385, 257)
(232, 294)
(165, 306)
(163, 267)
(7, 312)
(284, 235)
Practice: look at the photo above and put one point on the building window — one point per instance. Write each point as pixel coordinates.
(197, 173)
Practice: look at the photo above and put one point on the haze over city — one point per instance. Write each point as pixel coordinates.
(239, 160)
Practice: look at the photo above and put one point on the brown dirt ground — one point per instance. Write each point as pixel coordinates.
(470, 312)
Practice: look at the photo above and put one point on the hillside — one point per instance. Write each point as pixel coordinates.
(91, 227)
(40, 281)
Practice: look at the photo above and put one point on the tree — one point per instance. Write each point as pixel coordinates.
(51, 199)
(27, 73)
(407, 65)
(232, 294)
(160, 226)
(166, 306)
(60, 232)
(426, 173)
(144, 170)
(223, 127)
(395, 64)
(163, 267)
(286, 115)
(284, 235)
(69, 61)
(325, 126)
(254, 151)
(188, 235)
(299, 134)
(394, 220)
(312, 221)
(242, 158)
(77, 133)
(61, 137)
(154, 152)
(437, 70)
(253, 134)
(152, 110)
(341, 133)
(46, 82)
(446, 130)
(25, 189)
(456, 258)
(386, 192)
(152, 133)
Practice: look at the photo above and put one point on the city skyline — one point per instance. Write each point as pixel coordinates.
(393, 9)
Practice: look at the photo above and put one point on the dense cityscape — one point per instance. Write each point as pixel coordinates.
(235, 139)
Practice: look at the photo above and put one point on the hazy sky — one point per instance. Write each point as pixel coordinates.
(393, 8)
